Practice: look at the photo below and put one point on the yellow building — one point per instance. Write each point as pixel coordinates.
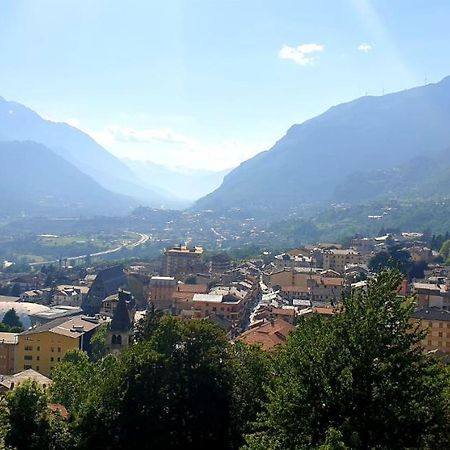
(436, 322)
(42, 347)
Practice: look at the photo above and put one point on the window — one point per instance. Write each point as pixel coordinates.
(28, 348)
(38, 348)
(28, 357)
(59, 349)
(37, 368)
(53, 349)
(440, 334)
(59, 359)
(37, 358)
(52, 359)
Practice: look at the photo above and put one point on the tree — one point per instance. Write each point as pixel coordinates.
(445, 250)
(11, 319)
(191, 279)
(251, 369)
(361, 373)
(172, 390)
(28, 411)
(4, 422)
(147, 325)
(98, 342)
(70, 377)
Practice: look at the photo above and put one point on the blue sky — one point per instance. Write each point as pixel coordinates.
(207, 84)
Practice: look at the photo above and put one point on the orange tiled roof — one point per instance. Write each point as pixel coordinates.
(269, 335)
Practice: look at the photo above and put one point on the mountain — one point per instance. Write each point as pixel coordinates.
(36, 181)
(19, 123)
(314, 158)
(188, 184)
(422, 177)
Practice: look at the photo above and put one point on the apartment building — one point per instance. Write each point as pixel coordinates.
(436, 322)
(337, 259)
(181, 260)
(8, 344)
(42, 347)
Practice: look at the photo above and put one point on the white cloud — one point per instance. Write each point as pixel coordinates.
(302, 54)
(163, 134)
(364, 47)
(170, 148)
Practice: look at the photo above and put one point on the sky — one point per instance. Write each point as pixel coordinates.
(210, 83)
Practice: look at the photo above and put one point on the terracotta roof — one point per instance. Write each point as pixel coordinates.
(58, 408)
(324, 311)
(268, 335)
(284, 311)
(188, 296)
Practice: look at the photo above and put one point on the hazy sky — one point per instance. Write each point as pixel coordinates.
(210, 83)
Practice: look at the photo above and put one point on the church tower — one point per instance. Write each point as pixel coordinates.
(120, 332)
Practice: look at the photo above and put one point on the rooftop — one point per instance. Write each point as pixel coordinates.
(8, 338)
(73, 327)
(268, 335)
(208, 298)
(431, 313)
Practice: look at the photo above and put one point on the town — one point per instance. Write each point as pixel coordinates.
(257, 301)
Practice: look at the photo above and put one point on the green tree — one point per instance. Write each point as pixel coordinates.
(147, 325)
(251, 372)
(363, 374)
(98, 342)
(74, 379)
(445, 250)
(170, 391)
(4, 422)
(191, 279)
(11, 319)
(27, 405)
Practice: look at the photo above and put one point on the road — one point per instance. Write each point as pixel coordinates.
(143, 238)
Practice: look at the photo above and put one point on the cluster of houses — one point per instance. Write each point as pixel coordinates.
(258, 301)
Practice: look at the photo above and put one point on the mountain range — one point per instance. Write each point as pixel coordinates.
(34, 180)
(367, 148)
(19, 123)
(391, 146)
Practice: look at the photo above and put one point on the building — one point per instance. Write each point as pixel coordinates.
(107, 282)
(55, 312)
(69, 295)
(228, 306)
(41, 348)
(35, 296)
(268, 335)
(432, 294)
(7, 383)
(162, 289)
(110, 303)
(120, 332)
(337, 259)
(436, 322)
(296, 285)
(181, 260)
(8, 343)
